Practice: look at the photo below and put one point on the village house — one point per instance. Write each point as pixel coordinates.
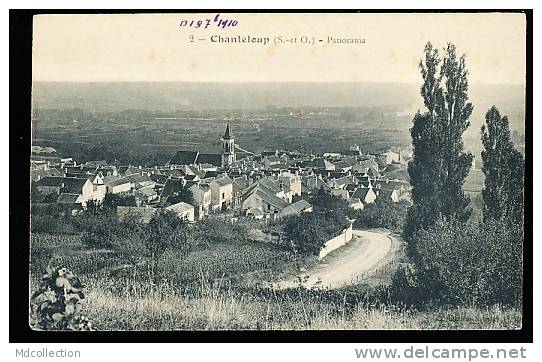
(393, 155)
(71, 190)
(201, 195)
(262, 201)
(355, 204)
(343, 193)
(183, 211)
(296, 208)
(221, 193)
(117, 185)
(364, 166)
(39, 173)
(312, 183)
(291, 183)
(146, 195)
(365, 195)
(271, 161)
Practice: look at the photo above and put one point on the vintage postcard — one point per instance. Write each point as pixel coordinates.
(219, 171)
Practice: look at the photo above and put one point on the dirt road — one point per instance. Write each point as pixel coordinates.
(346, 265)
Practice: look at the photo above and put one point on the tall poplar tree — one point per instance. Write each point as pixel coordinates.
(504, 168)
(440, 165)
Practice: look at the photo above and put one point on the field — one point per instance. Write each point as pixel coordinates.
(145, 137)
(242, 262)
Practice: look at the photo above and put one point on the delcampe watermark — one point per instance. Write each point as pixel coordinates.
(441, 353)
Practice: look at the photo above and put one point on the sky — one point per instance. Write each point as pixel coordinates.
(153, 47)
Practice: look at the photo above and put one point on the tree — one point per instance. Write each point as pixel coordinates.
(383, 213)
(440, 166)
(307, 233)
(184, 195)
(111, 201)
(165, 231)
(323, 201)
(504, 168)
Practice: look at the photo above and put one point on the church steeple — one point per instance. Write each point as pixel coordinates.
(227, 134)
(228, 145)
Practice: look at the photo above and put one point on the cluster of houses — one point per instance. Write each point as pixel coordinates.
(266, 186)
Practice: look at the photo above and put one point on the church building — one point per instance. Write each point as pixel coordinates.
(226, 159)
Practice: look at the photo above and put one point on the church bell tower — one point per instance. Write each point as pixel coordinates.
(228, 147)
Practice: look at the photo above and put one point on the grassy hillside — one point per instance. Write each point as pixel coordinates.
(222, 286)
(116, 306)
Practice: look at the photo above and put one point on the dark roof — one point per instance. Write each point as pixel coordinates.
(296, 208)
(40, 174)
(67, 198)
(158, 178)
(269, 198)
(351, 187)
(228, 135)
(373, 172)
(360, 193)
(223, 181)
(176, 172)
(385, 193)
(170, 188)
(72, 185)
(189, 184)
(184, 158)
(96, 163)
(214, 159)
(211, 174)
(362, 178)
(138, 178)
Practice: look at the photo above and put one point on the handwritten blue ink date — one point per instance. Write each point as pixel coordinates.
(217, 21)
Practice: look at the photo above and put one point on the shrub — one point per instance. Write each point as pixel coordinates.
(309, 231)
(404, 288)
(383, 214)
(99, 231)
(469, 265)
(164, 232)
(56, 305)
(215, 230)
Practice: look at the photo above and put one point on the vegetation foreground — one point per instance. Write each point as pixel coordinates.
(127, 299)
(167, 307)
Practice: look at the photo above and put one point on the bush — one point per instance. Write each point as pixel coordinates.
(383, 214)
(404, 288)
(469, 265)
(56, 305)
(309, 231)
(214, 230)
(99, 231)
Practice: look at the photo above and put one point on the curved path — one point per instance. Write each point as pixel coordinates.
(364, 253)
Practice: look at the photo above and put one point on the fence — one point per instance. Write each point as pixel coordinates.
(338, 241)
